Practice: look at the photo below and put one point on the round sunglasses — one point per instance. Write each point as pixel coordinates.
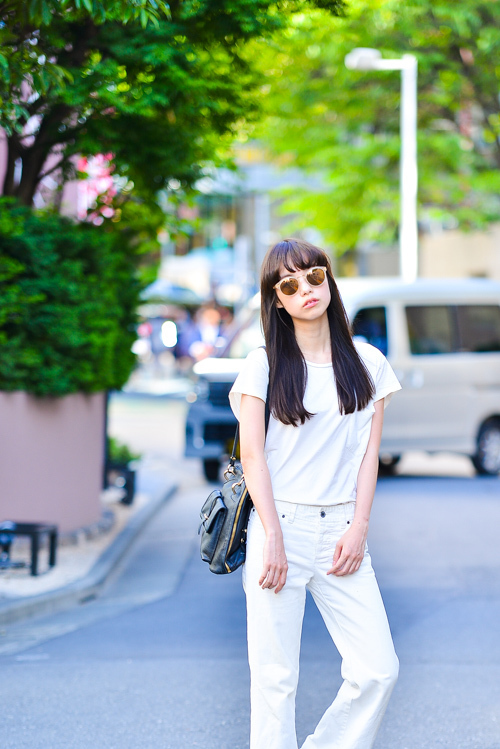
(290, 285)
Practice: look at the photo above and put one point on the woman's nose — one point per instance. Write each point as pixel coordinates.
(304, 286)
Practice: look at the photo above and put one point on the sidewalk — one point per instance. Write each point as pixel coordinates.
(156, 382)
(138, 417)
(83, 568)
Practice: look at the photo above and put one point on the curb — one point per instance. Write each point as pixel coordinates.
(89, 586)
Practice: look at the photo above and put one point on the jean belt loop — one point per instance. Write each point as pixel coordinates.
(292, 512)
(349, 510)
(345, 505)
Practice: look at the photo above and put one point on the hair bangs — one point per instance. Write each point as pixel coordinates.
(292, 254)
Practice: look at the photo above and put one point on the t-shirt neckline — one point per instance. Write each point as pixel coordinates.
(317, 364)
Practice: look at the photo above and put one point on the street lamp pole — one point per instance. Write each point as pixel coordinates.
(371, 59)
(408, 180)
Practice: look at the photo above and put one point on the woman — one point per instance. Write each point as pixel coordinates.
(312, 480)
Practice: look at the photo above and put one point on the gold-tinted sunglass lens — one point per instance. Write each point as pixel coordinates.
(316, 276)
(289, 286)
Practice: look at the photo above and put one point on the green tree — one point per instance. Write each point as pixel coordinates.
(343, 125)
(68, 299)
(161, 86)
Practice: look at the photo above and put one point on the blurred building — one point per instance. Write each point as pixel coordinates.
(239, 216)
(234, 220)
(443, 253)
(453, 253)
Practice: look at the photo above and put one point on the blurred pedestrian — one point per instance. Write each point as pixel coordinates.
(202, 336)
(312, 481)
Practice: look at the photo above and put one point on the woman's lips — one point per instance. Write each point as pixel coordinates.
(310, 303)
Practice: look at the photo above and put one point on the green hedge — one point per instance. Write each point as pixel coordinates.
(68, 295)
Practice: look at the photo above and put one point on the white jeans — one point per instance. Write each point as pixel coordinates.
(354, 614)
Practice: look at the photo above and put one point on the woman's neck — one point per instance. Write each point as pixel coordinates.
(313, 338)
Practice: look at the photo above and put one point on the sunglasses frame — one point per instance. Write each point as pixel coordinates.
(302, 275)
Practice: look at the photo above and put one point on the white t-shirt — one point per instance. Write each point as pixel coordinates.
(316, 463)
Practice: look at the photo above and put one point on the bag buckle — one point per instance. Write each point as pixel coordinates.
(230, 471)
(237, 483)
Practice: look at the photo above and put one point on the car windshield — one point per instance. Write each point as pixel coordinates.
(246, 338)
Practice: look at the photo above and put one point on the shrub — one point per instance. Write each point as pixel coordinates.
(68, 295)
(118, 452)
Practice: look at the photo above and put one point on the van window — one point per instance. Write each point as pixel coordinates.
(431, 329)
(371, 323)
(479, 327)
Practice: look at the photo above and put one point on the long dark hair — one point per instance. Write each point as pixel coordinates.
(287, 366)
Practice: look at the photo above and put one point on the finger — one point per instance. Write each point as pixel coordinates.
(337, 553)
(334, 570)
(264, 576)
(352, 565)
(337, 557)
(282, 581)
(267, 581)
(346, 565)
(341, 573)
(272, 577)
(277, 575)
(356, 566)
(344, 571)
(339, 563)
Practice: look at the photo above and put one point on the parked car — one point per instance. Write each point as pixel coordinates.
(442, 337)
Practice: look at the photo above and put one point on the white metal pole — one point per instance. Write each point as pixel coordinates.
(408, 230)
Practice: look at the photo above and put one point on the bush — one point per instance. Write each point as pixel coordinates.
(68, 295)
(118, 452)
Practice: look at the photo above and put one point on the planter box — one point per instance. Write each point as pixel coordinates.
(123, 477)
(51, 458)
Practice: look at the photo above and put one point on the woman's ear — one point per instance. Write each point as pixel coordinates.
(278, 304)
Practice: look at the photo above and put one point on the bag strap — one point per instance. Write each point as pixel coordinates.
(232, 459)
(267, 416)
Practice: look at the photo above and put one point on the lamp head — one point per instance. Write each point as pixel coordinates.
(363, 58)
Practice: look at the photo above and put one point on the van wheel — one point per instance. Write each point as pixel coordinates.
(387, 464)
(487, 458)
(211, 469)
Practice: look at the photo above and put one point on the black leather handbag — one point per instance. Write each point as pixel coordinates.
(224, 518)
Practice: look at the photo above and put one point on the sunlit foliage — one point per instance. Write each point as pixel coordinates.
(160, 85)
(343, 125)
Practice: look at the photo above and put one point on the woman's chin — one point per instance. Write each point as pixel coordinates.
(310, 314)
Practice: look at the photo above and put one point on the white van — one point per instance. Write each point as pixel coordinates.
(442, 337)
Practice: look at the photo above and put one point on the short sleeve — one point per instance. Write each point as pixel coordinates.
(253, 380)
(386, 382)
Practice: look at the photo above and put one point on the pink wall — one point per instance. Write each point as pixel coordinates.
(51, 458)
(3, 158)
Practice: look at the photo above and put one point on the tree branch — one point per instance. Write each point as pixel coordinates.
(488, 103)
(52, 169)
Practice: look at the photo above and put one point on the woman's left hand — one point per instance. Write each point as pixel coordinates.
(349, 551)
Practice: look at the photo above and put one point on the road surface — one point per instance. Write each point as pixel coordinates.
(159, 660)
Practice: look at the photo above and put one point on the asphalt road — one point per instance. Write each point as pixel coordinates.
(159, 660)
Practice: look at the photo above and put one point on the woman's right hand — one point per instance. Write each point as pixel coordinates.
(275, 566)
